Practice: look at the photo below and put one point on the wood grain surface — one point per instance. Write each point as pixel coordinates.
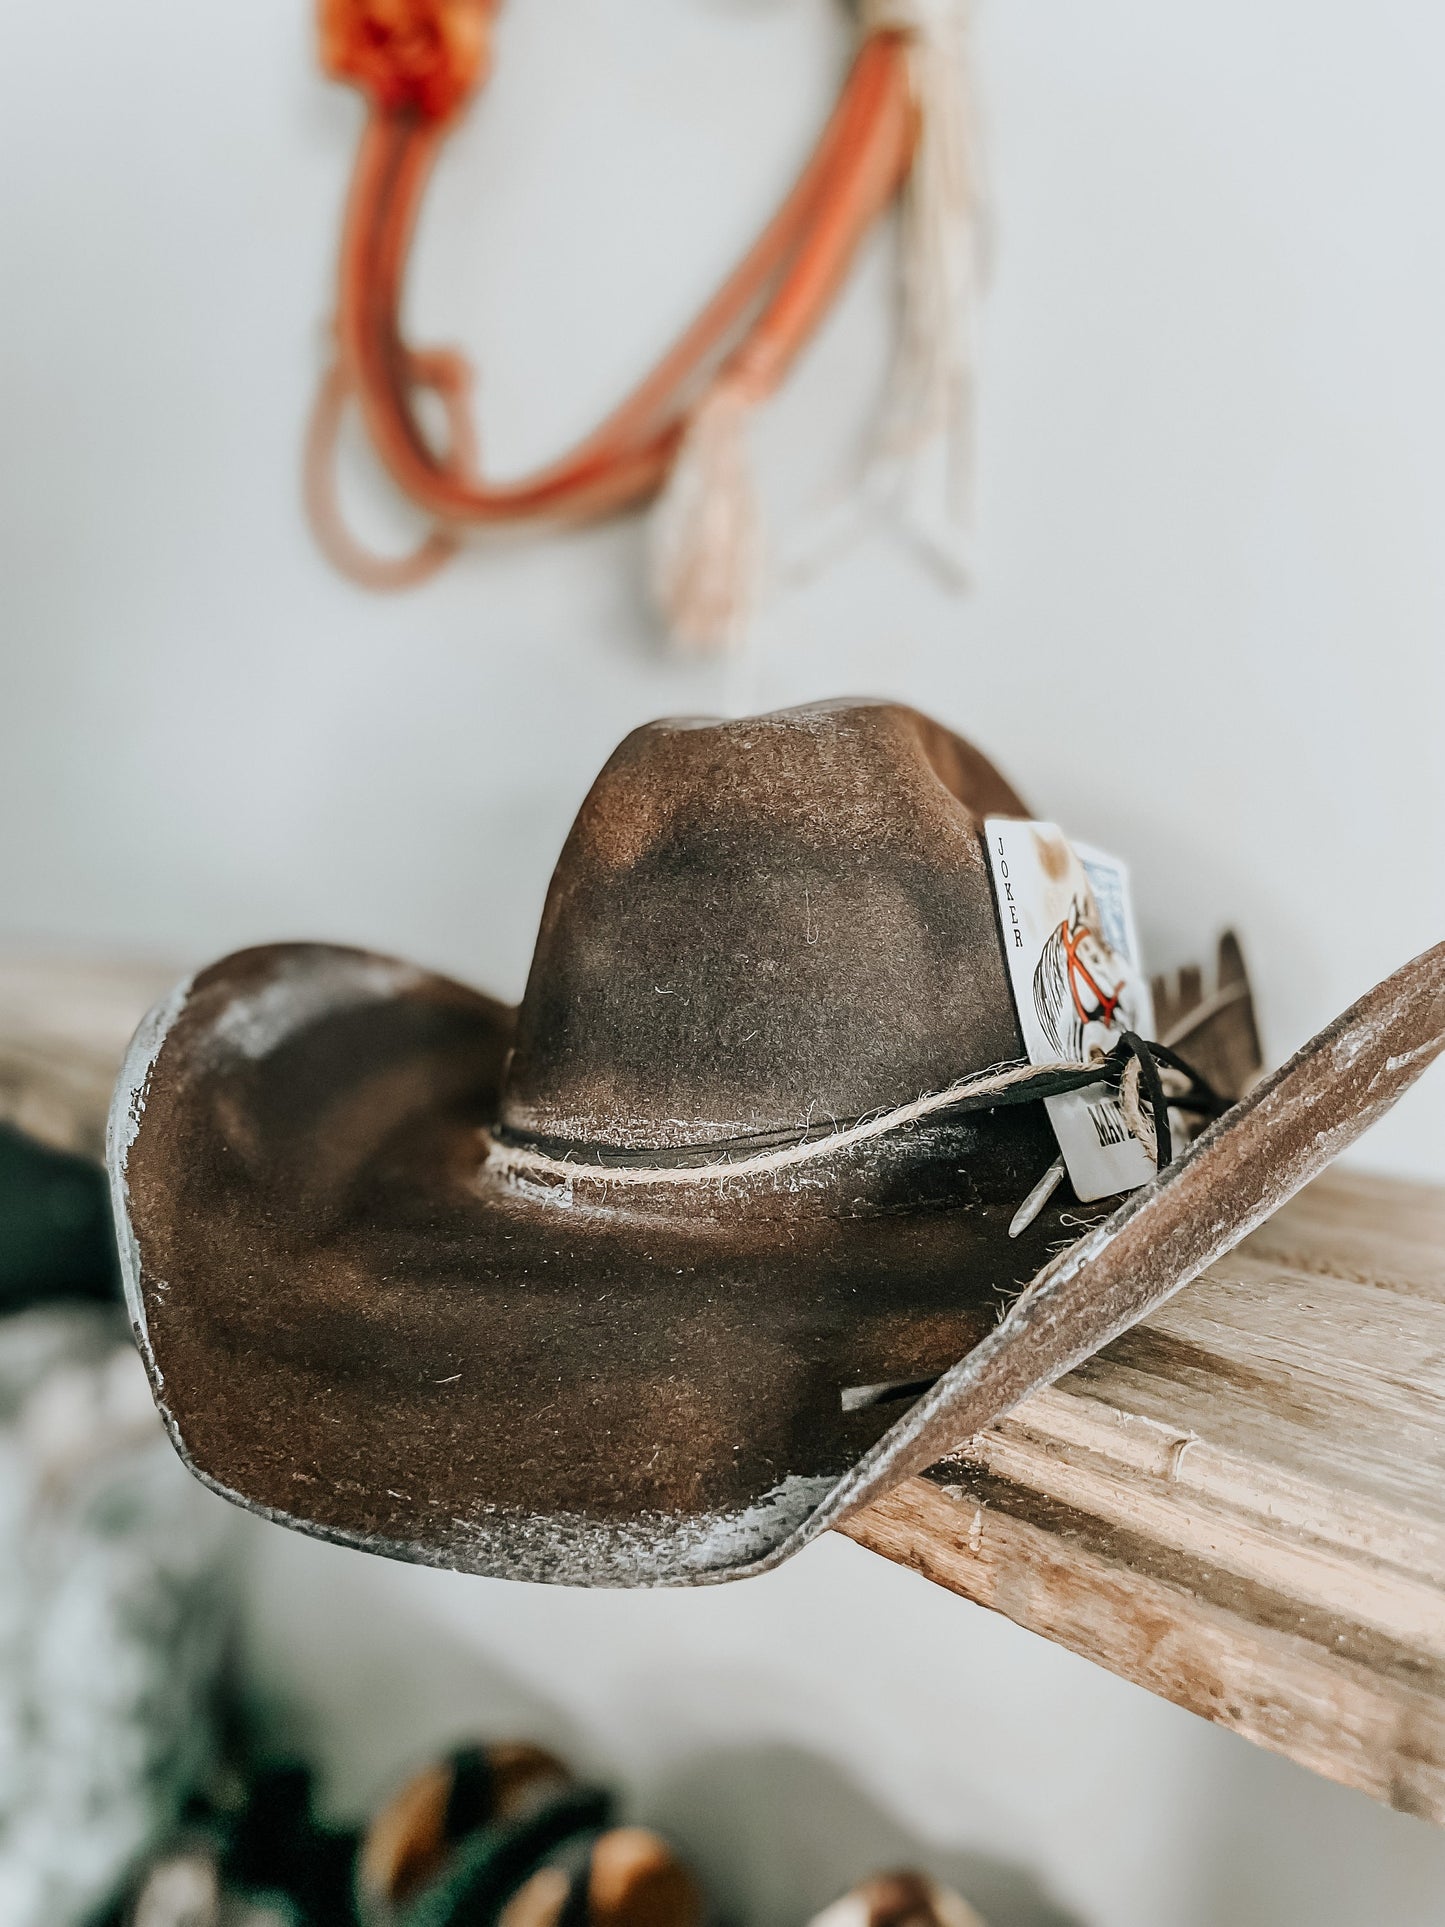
(64, 1026)
(1241, 1503)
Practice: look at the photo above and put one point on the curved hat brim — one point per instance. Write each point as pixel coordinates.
(345, 1332)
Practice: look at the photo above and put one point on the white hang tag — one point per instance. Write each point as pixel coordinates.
(1073, 958)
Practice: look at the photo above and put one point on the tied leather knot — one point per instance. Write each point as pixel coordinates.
(418, 56)
(1139, 1074)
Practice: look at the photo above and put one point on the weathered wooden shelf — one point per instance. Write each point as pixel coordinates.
(1239, 1505)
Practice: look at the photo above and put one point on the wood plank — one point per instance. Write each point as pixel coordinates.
(1351, 1707)
(64, 1026)
(1241, 1504)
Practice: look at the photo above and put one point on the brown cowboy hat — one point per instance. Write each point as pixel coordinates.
(630, 1285)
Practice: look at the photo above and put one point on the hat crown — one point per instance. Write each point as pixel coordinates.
(758, 924)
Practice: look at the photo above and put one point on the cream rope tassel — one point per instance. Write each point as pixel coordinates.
(706, 546)
(921, 461)
(706, 532)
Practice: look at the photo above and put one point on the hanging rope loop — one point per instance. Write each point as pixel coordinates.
(417, 61)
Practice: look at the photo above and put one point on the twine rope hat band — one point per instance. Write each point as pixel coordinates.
(1131, 1068)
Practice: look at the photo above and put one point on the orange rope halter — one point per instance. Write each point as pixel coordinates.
(418, 61)
(1106, 1002)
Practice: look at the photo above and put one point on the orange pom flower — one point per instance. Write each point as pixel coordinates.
(426, 55)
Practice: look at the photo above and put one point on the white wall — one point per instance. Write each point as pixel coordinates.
(1207, 632)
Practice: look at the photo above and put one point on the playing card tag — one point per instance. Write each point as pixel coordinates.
(1073, 958)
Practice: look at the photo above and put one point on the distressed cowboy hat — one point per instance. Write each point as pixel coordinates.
(657, 1276)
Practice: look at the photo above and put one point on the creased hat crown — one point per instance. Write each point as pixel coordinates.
(758, 924)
